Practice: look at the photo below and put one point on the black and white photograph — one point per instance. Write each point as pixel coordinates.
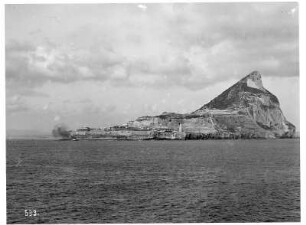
(146, 112)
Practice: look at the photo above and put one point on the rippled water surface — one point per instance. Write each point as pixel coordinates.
(153, 181)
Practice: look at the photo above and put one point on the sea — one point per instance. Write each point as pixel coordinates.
(88, 181)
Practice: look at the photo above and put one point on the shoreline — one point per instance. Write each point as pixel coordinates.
(113, 139)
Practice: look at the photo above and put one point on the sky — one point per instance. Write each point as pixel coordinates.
(105, 64)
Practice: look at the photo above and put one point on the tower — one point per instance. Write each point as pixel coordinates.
(180, 127)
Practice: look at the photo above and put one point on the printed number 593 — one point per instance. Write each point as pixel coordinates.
(29, 212)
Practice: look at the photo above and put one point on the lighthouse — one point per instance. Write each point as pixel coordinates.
(180, 128)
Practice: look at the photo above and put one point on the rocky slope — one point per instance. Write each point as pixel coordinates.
(249, 98)
(245, 110)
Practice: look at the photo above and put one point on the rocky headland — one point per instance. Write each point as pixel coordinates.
(245, 110)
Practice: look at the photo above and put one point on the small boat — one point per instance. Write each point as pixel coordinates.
(75, 139)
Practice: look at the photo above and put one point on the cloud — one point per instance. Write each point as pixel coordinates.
(16, 104)
(142, 7)
(112, 53)
(189, 45)
(26, 92)
(56, 118)
(33, 66)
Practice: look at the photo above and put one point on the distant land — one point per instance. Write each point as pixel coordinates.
(246, 110)
(28, 134)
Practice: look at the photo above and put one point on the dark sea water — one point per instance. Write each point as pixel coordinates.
(153, 181)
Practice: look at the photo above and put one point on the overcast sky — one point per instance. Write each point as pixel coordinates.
(106, 64)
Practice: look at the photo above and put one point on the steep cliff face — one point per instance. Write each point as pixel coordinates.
(249, 98)
(245, 110)
(189, 123)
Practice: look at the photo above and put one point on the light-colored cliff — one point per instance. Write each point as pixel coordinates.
(245, 110)
(249, 98)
